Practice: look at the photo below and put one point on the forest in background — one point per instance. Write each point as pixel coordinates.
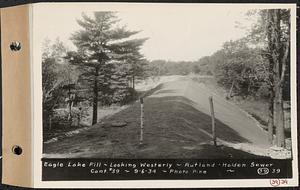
(107, 64)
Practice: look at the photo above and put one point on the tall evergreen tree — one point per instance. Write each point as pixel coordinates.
(134, 62)
(101, 46)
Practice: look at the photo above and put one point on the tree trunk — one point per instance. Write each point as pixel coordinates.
(50, 122)
(278, 70)
(133, 81)
(95, 97)
(270, 78)
(271, 102)
(230, 91)
(271, 118)
(69, 103)
(279, 117)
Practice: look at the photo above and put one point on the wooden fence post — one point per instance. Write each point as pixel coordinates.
(142, 120)
(50, 123)
(213, 125)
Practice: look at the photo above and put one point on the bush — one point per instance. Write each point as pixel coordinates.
(209, 72)
(237, 63)
(126, 96)
(263, 91)
(61, 118)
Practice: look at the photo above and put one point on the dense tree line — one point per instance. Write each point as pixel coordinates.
(261, 61)
(101, 70)
(259, 64)
(56, 75)
(163, 67)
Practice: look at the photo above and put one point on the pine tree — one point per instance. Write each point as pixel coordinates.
(133, 61)
(101, 47)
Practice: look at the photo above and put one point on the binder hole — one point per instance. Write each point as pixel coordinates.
(17, 150)
(15, 46)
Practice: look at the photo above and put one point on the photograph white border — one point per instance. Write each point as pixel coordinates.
(37, 104)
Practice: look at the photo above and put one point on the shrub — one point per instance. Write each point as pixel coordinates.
(263, 91)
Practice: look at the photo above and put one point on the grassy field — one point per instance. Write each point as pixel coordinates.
(187, 138)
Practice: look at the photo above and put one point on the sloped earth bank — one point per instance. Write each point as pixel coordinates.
(177, 125)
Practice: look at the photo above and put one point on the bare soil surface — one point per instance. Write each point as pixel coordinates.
(177, 125)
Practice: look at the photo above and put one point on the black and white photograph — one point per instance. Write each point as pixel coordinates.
(166, 82)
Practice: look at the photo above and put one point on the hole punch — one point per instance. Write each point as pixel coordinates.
(17, 150)
(15, 46)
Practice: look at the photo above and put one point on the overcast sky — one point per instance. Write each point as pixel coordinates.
(176, 32)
